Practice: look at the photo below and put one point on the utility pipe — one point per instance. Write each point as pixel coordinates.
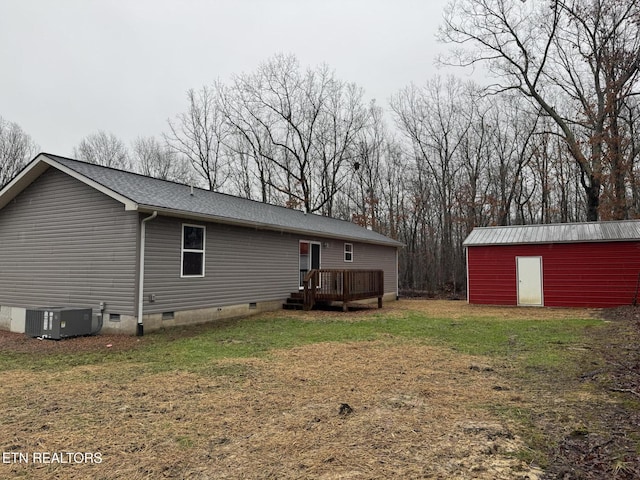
(143, 229)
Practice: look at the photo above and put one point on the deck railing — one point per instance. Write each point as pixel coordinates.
(328, 285)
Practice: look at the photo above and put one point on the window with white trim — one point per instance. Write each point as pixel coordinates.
(193, 241)
(348, 252)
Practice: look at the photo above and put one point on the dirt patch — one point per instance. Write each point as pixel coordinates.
(20, 343)
(621, 351)
(626, 313)
(607, 444)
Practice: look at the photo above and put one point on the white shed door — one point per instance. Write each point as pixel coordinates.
(529, 280)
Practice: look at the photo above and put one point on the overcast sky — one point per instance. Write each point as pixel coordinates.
(69, 68)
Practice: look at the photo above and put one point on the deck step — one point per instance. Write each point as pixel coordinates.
(294, 302)
(292, 306)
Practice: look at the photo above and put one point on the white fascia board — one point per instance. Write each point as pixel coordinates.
(129, 205)
(38, 166)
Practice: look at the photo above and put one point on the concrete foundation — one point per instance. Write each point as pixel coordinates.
(13, 318)
(156, 321)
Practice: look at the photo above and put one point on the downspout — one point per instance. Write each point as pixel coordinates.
(140, 330)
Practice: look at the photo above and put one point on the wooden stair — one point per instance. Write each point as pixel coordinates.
(294, 302)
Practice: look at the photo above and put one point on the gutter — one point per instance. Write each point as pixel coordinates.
(143, 231)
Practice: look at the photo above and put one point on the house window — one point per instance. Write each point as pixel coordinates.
(193, 241)
(348, 252)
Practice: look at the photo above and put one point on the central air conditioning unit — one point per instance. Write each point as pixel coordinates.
(59, 322)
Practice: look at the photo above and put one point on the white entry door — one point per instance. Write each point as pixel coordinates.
(529, 280)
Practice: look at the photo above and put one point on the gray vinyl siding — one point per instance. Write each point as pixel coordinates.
(242, 265)
(62, 243)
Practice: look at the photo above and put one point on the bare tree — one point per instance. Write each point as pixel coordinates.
(436, 121)
(342, 122)
(514, 128)
(631, 116)
(102, 148)
(16, 149)
(473, 195)
(155, 159)
(586, 52)
(251, 170)
(364, 189)
(393, 188)
(199, 135)
(300, 127)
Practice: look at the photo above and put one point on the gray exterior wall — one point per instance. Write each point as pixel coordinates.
(242, 265)
(62, 243)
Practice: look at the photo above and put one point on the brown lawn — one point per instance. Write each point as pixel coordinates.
(417, 411)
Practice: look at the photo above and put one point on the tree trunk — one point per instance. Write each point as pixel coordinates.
(592, 193)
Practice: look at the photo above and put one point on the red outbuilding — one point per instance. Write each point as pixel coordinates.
(594, 264)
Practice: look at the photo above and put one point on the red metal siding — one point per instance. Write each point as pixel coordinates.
(492, 275)
(574, 275)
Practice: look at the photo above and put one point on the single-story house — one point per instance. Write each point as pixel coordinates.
(594, 264)
(143, 251)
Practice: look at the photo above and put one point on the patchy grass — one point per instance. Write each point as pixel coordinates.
(438, 390)
(191, 347)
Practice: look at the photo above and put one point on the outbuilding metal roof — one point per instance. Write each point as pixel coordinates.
(147, 194)
(615, 231)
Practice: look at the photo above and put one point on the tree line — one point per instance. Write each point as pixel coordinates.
(554, 138)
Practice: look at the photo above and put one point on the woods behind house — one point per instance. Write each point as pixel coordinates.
(548, 133)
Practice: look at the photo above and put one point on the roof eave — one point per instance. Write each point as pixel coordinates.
(551, 242)
(260, 225)
(40, 164)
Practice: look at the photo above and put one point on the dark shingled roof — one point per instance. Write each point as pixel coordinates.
(175, 198)
(613, 231)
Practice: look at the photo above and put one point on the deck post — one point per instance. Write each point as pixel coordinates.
(346, 279)
(309, 294)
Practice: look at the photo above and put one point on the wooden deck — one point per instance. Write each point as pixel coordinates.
(325, 285)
